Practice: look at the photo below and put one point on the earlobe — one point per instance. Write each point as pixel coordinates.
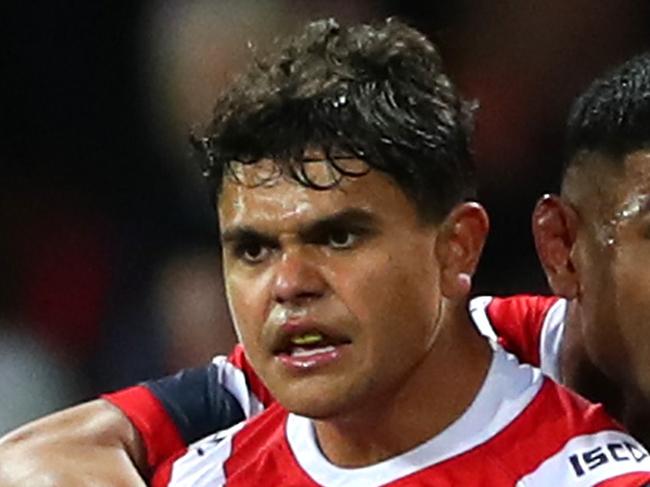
(554, 224)
(464, 234)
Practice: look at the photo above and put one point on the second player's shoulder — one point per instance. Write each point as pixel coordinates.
(527, 310)
(528, 326)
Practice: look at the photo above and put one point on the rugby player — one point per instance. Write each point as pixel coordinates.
(558, 235)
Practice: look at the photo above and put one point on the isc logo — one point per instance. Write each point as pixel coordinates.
(612, 452)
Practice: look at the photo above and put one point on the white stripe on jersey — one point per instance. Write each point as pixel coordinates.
(203, 464)
(234, 380)
(589, 459)
(478, 311)
(551, 332)
(551, 339)
(507, 390)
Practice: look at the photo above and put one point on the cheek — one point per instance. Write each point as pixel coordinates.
(632, 284)
(630, 314)
(247, 303)
(620, 300)
(387, 290)
(593, 262)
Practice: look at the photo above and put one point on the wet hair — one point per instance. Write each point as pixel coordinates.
(372, 92)
(612, 116)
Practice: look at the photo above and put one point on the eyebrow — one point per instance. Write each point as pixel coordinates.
(349, 217)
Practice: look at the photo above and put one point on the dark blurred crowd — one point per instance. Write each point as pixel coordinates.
(109, 267)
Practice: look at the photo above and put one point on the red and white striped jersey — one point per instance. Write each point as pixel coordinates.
(530, 327)
(521, 430)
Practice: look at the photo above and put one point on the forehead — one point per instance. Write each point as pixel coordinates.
(631, 187)
(282, 202)
(604, 185)
(637, 169)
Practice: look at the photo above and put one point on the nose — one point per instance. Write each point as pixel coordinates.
(297, 279)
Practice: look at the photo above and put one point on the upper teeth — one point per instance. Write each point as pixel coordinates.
(307, 339)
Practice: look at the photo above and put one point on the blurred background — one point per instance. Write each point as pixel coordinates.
(109, 272)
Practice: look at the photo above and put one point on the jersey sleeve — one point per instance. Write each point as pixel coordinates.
(174, 411)
(516, 322)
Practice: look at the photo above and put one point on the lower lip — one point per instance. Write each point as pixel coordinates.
(311, 362)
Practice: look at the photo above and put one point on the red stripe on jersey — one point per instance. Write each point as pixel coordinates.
(268, 459)
(261, 454)
(159, 433)
(627, 480)
(521, 447)
(163, 475)
(238, 358)
(565, 416)
(518, 322)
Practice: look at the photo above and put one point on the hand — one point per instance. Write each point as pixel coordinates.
(92, 445)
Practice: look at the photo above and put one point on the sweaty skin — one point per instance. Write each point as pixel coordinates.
(357, 263)
(635, 205)
(606, 355)
(93, 444)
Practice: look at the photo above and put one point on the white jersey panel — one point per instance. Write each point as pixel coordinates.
(551, 339)
(589, 459)
(477, 310)
(234, 380)
(203, 464)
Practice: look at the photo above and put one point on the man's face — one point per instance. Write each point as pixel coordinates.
(613, 256)
(335, 293)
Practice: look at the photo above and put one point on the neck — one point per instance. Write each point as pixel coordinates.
(435, 394)
(624, 403)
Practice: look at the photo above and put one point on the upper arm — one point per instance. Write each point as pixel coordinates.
(174, 411)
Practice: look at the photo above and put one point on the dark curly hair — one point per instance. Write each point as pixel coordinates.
(612, 116)
(375, 92)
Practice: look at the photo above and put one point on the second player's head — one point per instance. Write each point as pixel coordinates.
(595, 241)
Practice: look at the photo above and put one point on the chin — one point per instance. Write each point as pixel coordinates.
(317, 414)
(319, 407)
(316, 402)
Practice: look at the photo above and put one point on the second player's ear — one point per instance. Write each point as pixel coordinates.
(554, 229)
(459, 247)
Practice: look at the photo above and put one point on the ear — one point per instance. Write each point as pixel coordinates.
(555, 225)
(459, 248)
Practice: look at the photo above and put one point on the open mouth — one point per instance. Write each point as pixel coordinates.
(309, 342)
(309, 347)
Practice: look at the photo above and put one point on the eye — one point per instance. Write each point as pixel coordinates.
(252, 253)
(341, 239)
